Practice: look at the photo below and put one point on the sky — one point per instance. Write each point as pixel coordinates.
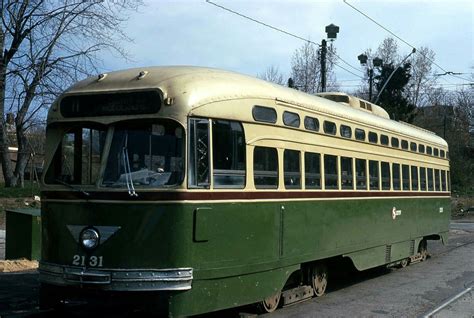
(194, 32)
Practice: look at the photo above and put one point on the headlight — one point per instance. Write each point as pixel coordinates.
(89, 238)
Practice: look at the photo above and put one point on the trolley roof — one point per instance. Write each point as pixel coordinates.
(192, 87)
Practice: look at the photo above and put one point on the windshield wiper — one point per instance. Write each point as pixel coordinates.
(87, 194)
(128, 171)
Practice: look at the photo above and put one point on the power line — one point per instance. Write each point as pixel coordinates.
(410, 45)
(289, 34)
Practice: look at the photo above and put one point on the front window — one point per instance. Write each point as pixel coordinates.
(78, 157)
(147, 154)
(141, 154)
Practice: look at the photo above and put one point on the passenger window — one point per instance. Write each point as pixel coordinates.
(396, 176)
(264, 114)
(312, 165)
(373, 138)
(384, 140)
(385, 167)
(443, 180)
(361, 174)
(291, 169)
(448, 181)
(395, 142)
(374, 175)
(265, 168)
(346, 131)
(404, 144)
(311, 123)
(421, 148)
(346, 173)
(413, 146)
(329, 127)
(430, 179)
(442, 154)
(429, 150)
(437, 183)
(422, 179)
(414, 178)
(291, 119)
(436, 152)
(228, 142)
(360, 134)
(406, 177)
(330, 172)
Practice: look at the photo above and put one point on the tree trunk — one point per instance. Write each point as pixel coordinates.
(7, 167)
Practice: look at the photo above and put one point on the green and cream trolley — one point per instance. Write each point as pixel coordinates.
(190, 190)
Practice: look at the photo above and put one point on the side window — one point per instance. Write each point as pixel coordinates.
(413, 146)
(373, 138)
(385, 168)
(404, 144)
(198, 175)
(384, 140)
(396, 176)
(311, 123)
(361, 174)
(345, 131)
(360, 134)
(312, 167)
(406, 177)
(291, 119)
(329, 127)
(291, 169)
(330, 172)
(228, 153)
(437, 183)
(436, 152)
(265, 168)
(429, 150)
(346, 173)
(443, 180)
(442, 154)
(430, 179)
(264, 114)
(395, 142)
(374, 175)
(414, 178)
(422, 178)
(421, 148)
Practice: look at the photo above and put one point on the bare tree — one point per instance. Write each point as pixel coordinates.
(421, 81)
(306, 68)
(272, 74)
(44, 47)
(388, 51)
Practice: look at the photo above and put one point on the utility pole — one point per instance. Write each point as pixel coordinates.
(323, 64)
(332, 31)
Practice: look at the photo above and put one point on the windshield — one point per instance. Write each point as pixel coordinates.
(141, 154)
(145, 154)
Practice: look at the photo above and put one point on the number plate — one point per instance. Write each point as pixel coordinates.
(92, 261)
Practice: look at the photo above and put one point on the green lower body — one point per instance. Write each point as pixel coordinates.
(243, 252)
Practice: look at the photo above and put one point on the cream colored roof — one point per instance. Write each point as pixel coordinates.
(195, 86)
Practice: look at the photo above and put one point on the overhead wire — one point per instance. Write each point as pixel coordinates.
(289, 34)
(402, 40)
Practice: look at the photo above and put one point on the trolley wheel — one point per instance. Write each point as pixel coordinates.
(319, 279)
(404, 263)
(422, 249)
(269, 304)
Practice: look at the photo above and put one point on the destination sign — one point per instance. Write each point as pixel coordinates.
(110, 104)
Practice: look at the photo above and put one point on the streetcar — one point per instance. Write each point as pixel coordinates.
(188, 190)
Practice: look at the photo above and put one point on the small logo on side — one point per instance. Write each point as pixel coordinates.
(396, 213)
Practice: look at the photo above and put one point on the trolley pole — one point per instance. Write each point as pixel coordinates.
(323, 65)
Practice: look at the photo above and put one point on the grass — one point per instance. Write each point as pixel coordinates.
(31, 189)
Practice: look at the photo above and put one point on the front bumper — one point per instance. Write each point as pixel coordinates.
(116, 279)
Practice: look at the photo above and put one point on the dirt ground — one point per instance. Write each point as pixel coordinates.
(17, 265)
